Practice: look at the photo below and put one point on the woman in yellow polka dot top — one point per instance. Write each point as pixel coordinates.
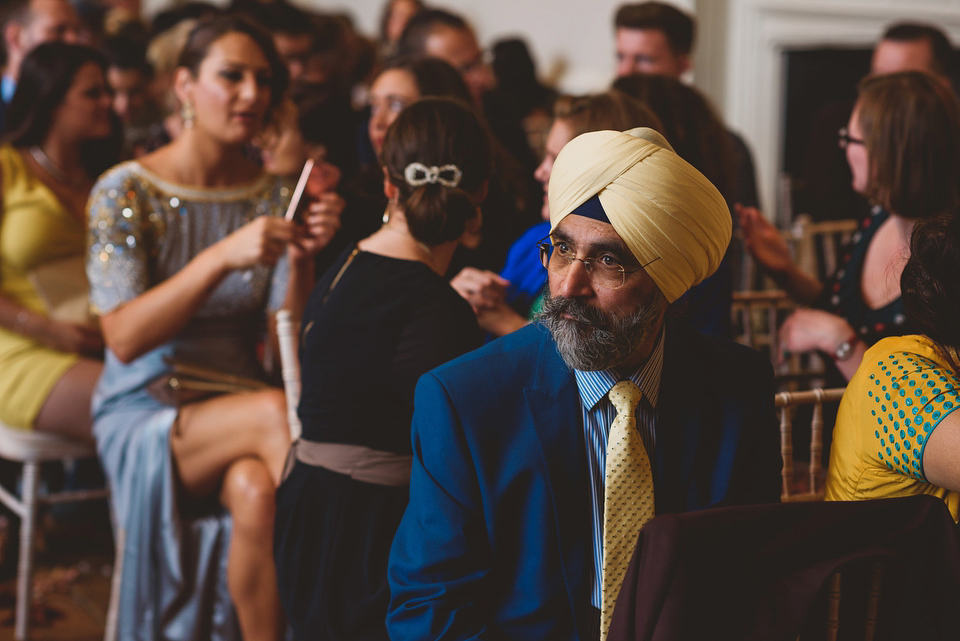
(897, 433)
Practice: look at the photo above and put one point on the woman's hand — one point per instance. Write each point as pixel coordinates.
(806, 330)
(262, 241)
(322, 217)
(321, 223)
(324, 178)
(500, 319)
(763, 240)
(73, 338)
(483, 289)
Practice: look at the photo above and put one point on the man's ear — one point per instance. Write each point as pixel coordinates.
(685, 63)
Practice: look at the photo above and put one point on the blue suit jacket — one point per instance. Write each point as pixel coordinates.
(496, 541)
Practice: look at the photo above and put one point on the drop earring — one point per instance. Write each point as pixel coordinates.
(187, 114)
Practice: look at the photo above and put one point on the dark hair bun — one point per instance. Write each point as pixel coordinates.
(436, 132)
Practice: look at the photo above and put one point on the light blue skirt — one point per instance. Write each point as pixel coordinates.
(173, 566)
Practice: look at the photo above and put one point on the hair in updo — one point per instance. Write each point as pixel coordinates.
(929, 284)
(436, 132)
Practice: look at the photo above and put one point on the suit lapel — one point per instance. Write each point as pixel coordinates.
(554, 404)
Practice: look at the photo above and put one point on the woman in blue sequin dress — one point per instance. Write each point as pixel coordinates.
(188, 250)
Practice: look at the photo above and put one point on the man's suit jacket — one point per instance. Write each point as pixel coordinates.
(496, 541)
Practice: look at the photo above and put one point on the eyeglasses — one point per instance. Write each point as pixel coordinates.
(604, 271)
(845, 139)
(483, 59)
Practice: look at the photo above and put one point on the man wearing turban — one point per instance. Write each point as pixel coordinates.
(505, 531)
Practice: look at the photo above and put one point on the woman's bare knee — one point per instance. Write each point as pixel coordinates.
(274, 438)
(248, 492)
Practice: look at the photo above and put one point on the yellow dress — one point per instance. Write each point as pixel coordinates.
(899, 395)
(34, 229)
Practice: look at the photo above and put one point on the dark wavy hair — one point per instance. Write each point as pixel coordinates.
(433, 77)
(929, 284)
(690, 125)
(911, 129)
(210, 30)
(437, 132)
(46, 75)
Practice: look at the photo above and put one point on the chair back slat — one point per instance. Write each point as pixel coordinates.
(833, 607)
(873, 601)
(787, 402)
(786, 444)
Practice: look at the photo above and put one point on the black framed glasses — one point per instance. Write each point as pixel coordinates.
(605, 271)
(844, 139)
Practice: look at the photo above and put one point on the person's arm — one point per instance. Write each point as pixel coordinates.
(806, 330)
(500, 319)
(942, 452)
(64, 337)
(766, 245)
(151, 319)
(441, 555)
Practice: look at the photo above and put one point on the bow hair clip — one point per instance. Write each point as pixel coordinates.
(418, 174)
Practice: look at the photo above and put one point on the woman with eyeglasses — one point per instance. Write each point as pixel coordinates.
(381, 316)
(903, 146)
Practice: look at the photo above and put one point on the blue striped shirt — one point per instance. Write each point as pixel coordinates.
(598, 415)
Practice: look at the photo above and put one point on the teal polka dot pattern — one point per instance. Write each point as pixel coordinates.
(905, 429)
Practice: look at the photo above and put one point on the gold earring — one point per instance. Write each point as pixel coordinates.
(187, 114)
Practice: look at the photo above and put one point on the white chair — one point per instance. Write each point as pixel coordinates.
(32, 449)
(290, 369)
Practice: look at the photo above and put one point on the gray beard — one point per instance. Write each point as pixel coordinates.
(594, 340)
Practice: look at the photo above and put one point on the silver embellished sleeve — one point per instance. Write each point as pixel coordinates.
(117, 259)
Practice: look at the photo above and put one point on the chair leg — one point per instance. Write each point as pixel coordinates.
(25, 563)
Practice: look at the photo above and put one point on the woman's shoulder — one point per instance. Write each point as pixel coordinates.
(122, 176)
(907, 345)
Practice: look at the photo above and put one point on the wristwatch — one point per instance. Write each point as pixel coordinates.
(845, 349)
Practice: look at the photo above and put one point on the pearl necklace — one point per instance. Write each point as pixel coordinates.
(51, 168)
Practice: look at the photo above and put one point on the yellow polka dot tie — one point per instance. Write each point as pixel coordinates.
(627, 495)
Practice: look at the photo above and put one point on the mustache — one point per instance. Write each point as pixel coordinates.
(557, 307)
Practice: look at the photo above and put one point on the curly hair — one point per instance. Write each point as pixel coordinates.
(929, 284)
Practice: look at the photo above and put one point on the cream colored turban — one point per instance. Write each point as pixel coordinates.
(669, 215)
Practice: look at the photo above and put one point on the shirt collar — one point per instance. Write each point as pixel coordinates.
(594, 385)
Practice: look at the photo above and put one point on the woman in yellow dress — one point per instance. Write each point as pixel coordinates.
(897, 431)
(60, 137)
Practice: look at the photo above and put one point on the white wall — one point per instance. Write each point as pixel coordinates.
(571, 40)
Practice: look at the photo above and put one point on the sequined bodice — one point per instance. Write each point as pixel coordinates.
(152, 228)
(143, 230)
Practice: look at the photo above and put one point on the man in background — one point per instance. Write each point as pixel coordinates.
(27, 23)
(657, 38)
